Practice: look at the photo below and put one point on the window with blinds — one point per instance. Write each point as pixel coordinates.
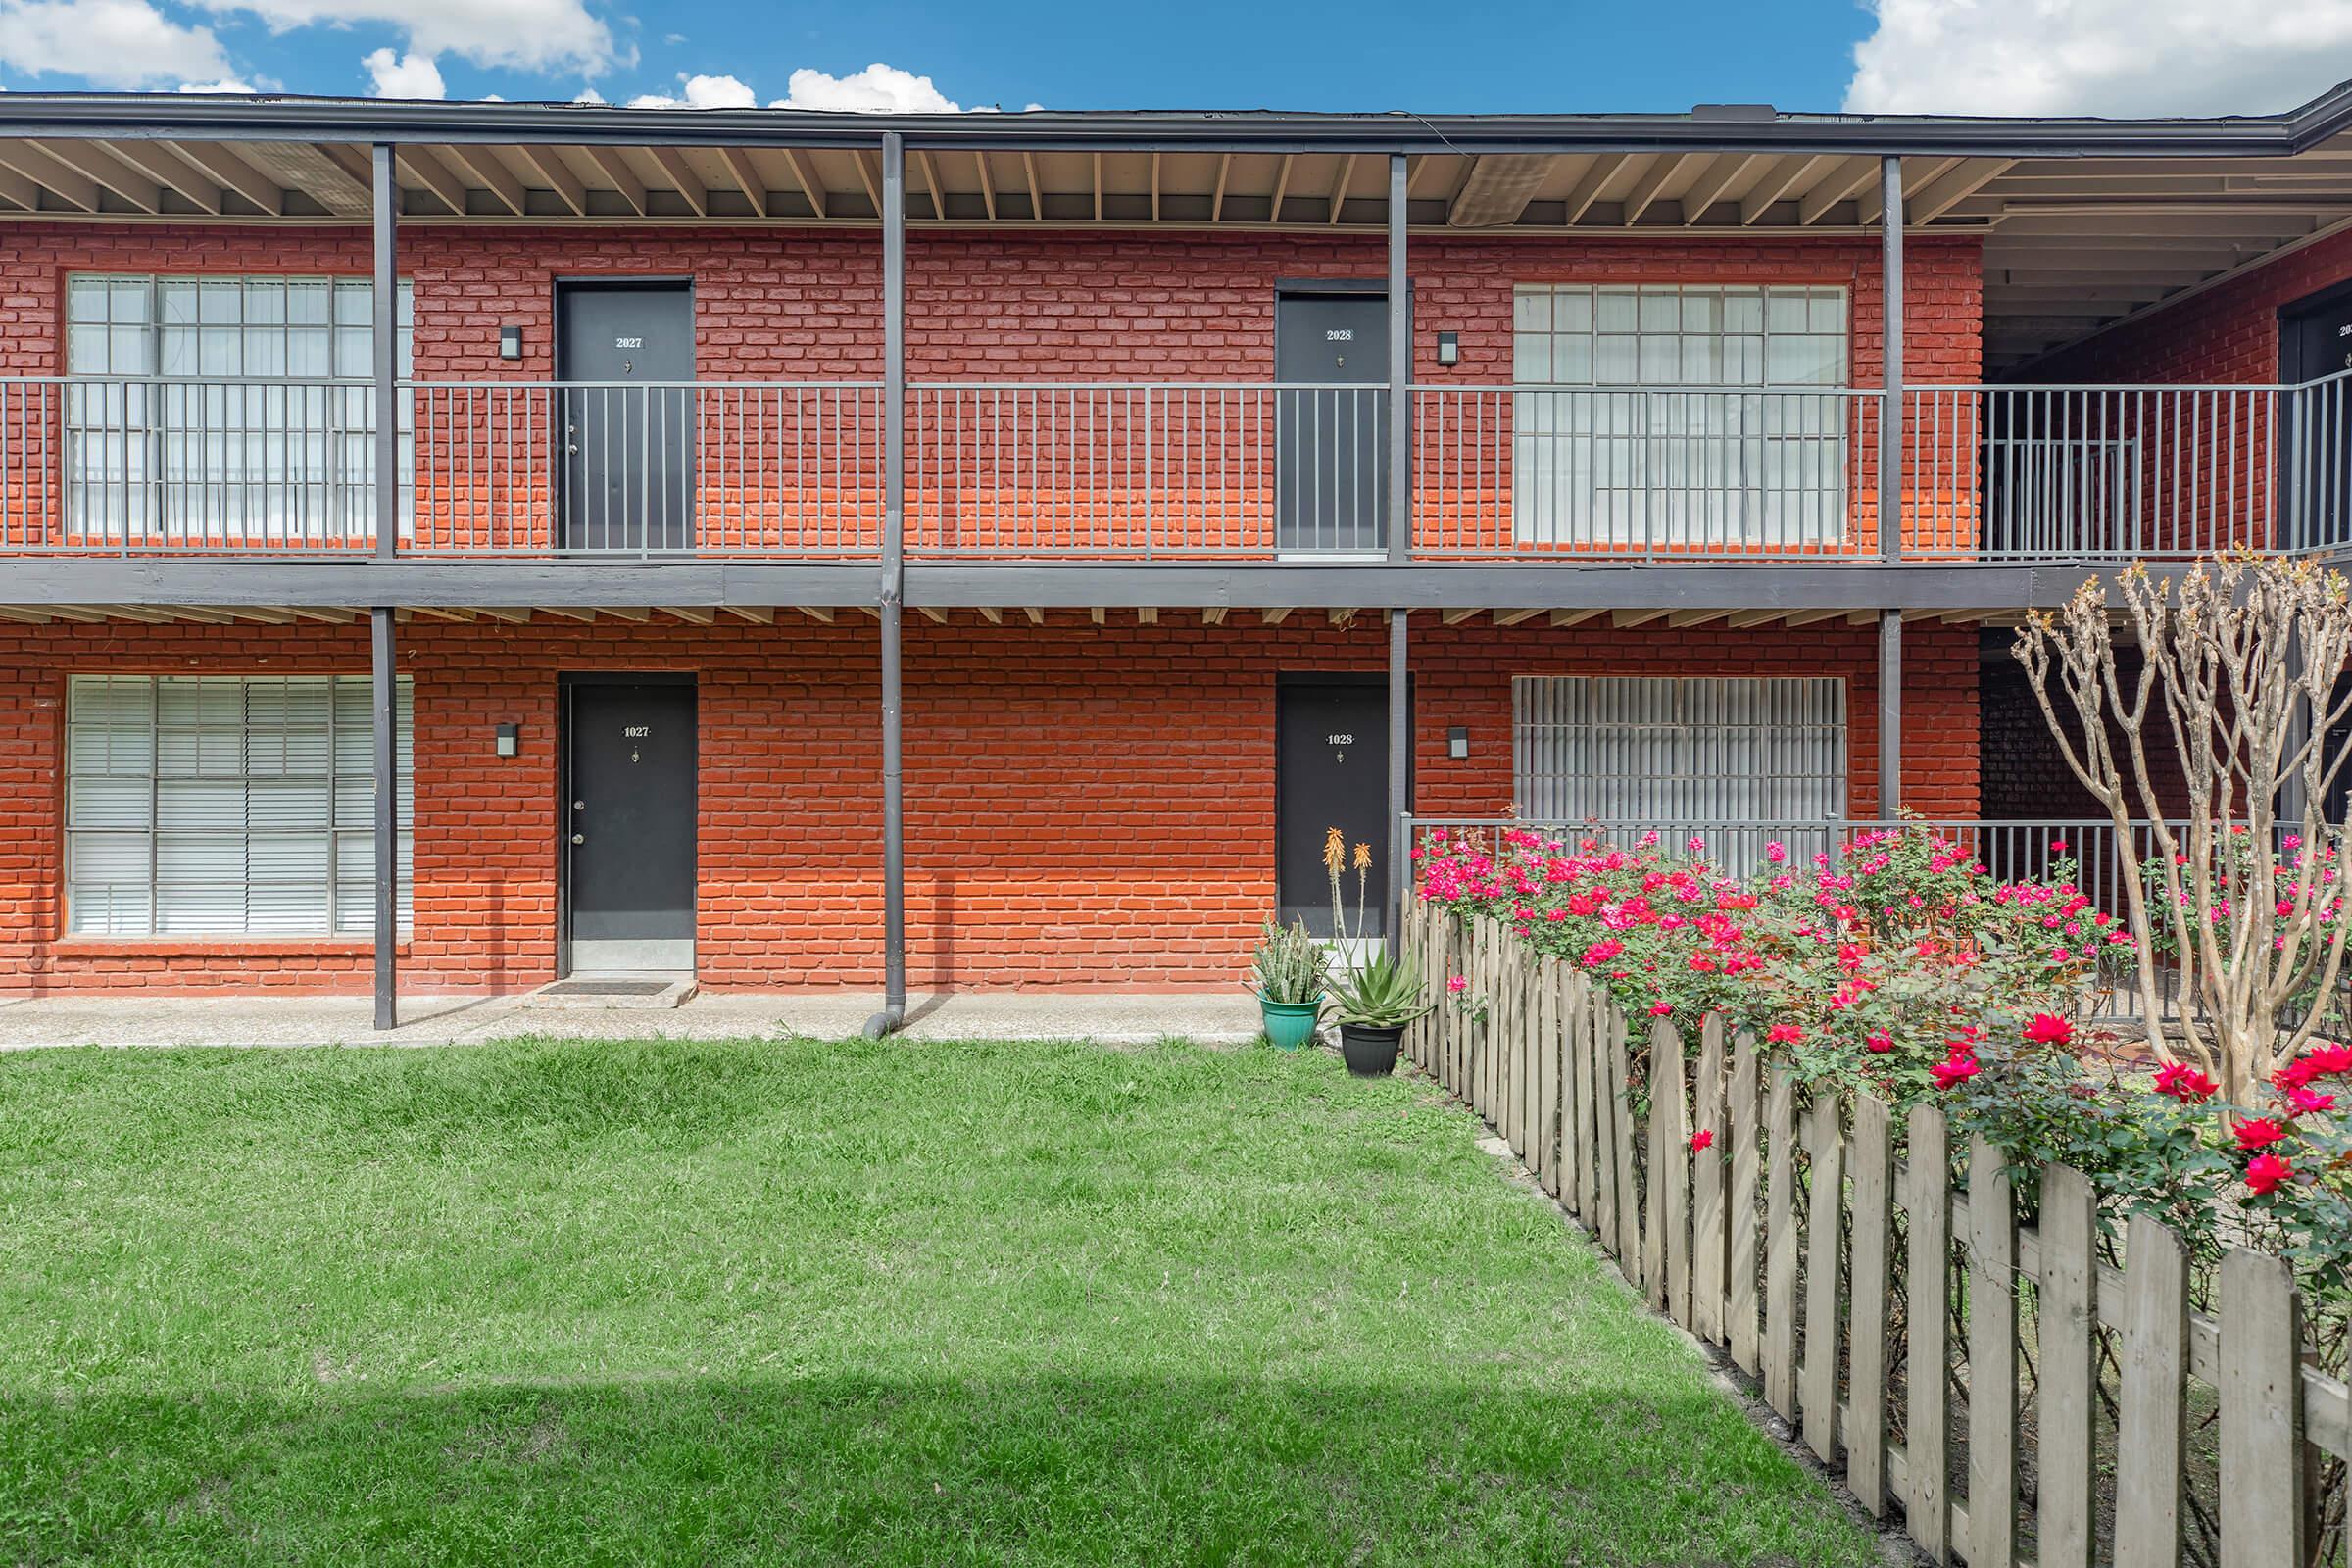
(1679, 415)
(221, 805)
(1680, 755)
(224, 407)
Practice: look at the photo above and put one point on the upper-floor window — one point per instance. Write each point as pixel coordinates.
(1681, 415)
(221, 409)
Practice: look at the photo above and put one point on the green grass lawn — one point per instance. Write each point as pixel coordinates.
(802, 1302)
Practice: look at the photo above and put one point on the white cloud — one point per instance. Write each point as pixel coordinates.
(524, 34)
(2099, 57)
(701, 92)
(878, 89)
(224, 84)
(108, 43)
(408, 75)
(588, 95)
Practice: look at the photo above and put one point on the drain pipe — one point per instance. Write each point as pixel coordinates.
(894, 579)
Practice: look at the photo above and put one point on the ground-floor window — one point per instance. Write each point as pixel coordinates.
(226, 805)
(1678, 753)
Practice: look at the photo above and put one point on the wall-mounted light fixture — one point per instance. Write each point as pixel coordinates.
(1449, 348)
(509, 740)
(1458, 741)
(510, 342)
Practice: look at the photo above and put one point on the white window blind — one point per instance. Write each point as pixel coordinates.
(1682, 755)
(1749, 446)
(217, 407)
(223, 805)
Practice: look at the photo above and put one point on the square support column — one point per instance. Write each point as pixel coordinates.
(1400, 773)
(1890, 714)
(1400, 370)
(1891, 406)
(894, 577)
(383, 704)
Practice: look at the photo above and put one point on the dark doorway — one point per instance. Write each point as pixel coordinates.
(1331, 440)
(2315, 341)
(629, 823)
(624, 354)
(1331, 769)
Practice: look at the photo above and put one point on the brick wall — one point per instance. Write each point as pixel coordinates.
(787, 305)
(1084, 804)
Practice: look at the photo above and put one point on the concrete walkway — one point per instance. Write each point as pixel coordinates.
(1227, 1016)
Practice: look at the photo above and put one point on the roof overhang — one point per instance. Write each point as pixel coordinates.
(2083, 222)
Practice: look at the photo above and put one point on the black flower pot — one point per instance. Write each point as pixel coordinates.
(1369, 1049)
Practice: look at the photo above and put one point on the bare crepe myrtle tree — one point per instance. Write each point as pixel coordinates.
(2239, 662)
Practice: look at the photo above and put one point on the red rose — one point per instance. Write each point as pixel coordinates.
(1784, 1034)
(1957, 1069)
(2266, 1171)
(2259, 1132)
(2184, 1083)
(1704, 1138)
(2048, 1029)
(1877, 1045)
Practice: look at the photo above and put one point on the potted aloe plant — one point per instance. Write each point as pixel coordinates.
(1374, 1005)
(1376, 999)
(1286, 972)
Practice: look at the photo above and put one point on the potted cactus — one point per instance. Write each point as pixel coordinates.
(1286, 972)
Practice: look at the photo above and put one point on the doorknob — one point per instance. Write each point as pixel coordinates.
(579, 838)
(580, 806)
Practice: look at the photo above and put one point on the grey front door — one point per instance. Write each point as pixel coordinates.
(1331, 438)
(624, 354)
(1331, 769)
(2315, 340)
(629, 825)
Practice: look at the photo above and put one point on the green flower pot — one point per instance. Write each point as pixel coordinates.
(1288, 1024)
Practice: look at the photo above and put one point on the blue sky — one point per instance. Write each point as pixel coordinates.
(2133, 57)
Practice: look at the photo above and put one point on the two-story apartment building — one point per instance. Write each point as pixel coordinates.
(982, 550)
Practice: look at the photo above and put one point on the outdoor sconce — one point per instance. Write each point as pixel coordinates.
(509, 739)
(510, 342)
(1458, 741)
(1449, 348)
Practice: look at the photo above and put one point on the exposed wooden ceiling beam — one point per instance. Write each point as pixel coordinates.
(869, 172)
(738, 164)
(683, 179)
(1948, 190)
(1645, 189)
(692, 614)
(1037, 194)
(1574, 617)
(232, 172)
(1216, 200)
(1512, 617)
(484, 165)
(568, 186)
(1603, 169)
(1337, 199)
(1709, 188)
(435, 176)
(68, 185)
(819, 202)
(160, 161)
(988, 183)
(339, 187)
(1282, 185)
(1841, 183)
(932, 191)
(1778, 184)
(625, 179)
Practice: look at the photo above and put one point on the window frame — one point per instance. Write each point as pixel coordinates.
(151, 789)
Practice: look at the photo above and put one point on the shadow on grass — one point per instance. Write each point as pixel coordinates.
(1033, 1470)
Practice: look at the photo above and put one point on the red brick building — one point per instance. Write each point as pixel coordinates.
(849, 550)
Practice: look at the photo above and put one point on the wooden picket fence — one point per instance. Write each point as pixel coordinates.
(1808, 1283)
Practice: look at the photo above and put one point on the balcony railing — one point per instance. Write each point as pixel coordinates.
(1199, 471)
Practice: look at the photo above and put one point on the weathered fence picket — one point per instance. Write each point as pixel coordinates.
(1725, 1240)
